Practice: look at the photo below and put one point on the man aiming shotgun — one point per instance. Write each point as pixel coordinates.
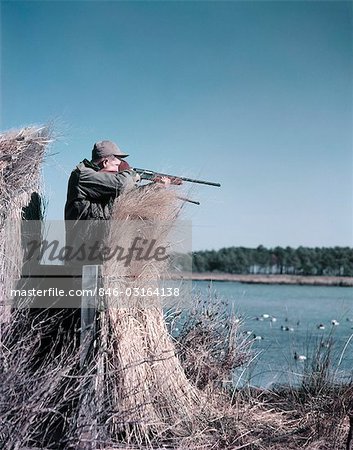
(92, 188)
(93, 185)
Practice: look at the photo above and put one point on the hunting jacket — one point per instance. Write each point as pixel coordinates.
(91, 193)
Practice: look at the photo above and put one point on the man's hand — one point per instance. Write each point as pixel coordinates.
(135, 176)
(168, 180)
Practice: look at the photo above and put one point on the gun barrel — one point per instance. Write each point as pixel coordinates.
(192, 180)
(184, 199)
(150, 174)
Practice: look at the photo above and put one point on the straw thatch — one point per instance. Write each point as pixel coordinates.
(21, 155)
(140, 378)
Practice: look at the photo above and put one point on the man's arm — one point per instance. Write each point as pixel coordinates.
(100, 185)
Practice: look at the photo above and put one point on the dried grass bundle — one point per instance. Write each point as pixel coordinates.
(149, 391)
(21, 155)
(147, 213)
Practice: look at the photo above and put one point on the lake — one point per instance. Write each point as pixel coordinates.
(287, 318)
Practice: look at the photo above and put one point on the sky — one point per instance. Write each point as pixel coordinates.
(255, 95)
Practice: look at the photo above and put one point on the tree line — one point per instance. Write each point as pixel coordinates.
(332, 261)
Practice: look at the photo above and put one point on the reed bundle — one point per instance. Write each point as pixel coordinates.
(21, 156)
(147, 386)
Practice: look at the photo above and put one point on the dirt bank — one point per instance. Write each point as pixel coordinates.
(271, 279)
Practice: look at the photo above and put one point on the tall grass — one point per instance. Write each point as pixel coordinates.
(47, 401)
(144, 385)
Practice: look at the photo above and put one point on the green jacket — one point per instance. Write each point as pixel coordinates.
(91, 193)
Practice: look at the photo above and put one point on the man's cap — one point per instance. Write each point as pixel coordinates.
(106, 148)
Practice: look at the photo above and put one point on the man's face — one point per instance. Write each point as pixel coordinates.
(111, 164)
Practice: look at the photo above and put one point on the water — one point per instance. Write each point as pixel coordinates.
(292, 326)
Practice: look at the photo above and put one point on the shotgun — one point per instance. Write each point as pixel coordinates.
(151, 175)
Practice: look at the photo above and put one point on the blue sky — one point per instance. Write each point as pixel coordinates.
(255, 95)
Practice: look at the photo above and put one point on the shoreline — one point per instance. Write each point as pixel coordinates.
(269, 279)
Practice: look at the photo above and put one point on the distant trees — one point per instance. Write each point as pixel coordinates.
(278, 260)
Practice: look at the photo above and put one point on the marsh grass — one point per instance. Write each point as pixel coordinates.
(36, 387)
(145, 385)
(47, 401)
(210, 326)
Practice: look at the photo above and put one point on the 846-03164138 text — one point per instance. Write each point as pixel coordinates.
(140, 292)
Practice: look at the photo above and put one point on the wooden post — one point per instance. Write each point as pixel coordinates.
(89, 307)
(349, 445)
(89, 304)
